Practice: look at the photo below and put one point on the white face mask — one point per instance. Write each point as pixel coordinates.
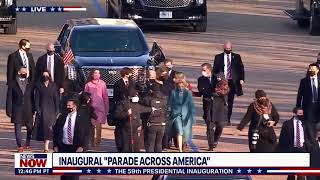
(135, 99)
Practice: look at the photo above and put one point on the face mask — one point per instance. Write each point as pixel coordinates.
(26, 49)
(70, 110)
(312, 73)
(300, 117)
(227, 51)
(23, 76)
(50, 52)
(135, 99)
(45, 78)
(96, 76)
(205, 74)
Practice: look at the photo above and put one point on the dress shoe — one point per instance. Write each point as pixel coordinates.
(20, 150)
(210, 149)
(215, 144)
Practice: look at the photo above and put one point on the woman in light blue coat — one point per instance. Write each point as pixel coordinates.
(182, 110)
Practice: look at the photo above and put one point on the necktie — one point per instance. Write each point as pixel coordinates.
(314, 90)
(24, 59)
(126, 83)
(229, 73)
(50, 66)
(298, 140)
(69, 129)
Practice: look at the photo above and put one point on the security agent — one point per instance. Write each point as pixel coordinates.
(155, 125)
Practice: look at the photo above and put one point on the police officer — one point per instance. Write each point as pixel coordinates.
(155, 125)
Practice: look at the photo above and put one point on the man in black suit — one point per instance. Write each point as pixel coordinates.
(296, 136)
(206, 86)
(120, 93)
(54, 64)
(168, 83)
(71, 132)
(19, 58)
(168, 86)
(20, 106)
(309, 95)
(230, 64)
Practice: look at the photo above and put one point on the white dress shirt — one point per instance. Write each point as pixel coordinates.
(295, 132)
(51, 70)
(24, 56)
(226, 63)
(65, 128)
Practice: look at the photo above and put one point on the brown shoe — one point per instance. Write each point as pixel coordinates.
(20, 150)
(45, 151)
(27, 148)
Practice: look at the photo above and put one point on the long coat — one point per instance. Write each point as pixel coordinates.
(219, 108)
(19, 105)
(267, 137)
(182, 111)
(47, 107)
(15, 63)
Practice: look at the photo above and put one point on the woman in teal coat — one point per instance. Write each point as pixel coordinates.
(182, 109)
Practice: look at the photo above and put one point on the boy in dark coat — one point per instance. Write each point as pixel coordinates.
(128, 112)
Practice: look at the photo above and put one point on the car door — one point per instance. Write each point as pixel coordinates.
(61, 41)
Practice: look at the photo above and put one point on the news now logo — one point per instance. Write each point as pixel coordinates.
(33, 160)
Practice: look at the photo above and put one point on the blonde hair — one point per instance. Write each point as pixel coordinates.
(180, 79)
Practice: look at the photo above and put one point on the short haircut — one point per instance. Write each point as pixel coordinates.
(168, 60)
(23, 42)
(296, 109)
(125, 71)
(75, 101)
(314, 64)
(207, 65)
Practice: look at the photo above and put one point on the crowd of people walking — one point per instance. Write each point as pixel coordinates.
(165, 112)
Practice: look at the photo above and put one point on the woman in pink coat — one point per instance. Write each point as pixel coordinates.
(100, 102)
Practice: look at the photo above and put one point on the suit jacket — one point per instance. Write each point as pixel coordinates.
(237, 70)
(19, 104)
(168, 84)
(286, 139)
(304, 97)
(206, 86)
(15, 63)
(121, 91)
(81, 130)
(59, 73)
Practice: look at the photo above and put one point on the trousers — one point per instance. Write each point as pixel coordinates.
(153, 138)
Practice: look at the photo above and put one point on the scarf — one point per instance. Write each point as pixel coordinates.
(261, 108)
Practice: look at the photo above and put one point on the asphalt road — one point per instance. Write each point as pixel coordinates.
(274, 50)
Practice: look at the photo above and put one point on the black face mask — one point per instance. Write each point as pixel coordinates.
(300, 117)
(50, 53)
(227, 51)
(70, 110)
(311, 73)
(45, 78)
(23, 76)
(26, 49)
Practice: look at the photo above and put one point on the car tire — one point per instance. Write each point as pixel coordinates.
(109, 10)
(314, 26)
(300, 10)
(12, 29)
(202, 26)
